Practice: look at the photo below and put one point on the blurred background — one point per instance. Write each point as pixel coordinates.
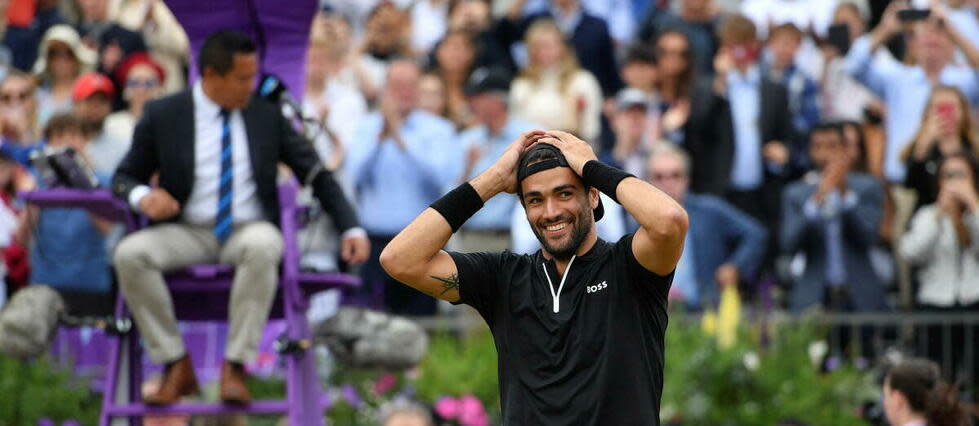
(825, 151)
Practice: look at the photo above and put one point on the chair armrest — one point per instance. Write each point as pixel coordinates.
(99, 202)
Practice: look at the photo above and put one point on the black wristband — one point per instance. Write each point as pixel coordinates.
(603, 176)
(458, 205)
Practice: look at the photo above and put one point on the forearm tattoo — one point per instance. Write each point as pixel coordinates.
(448, 284)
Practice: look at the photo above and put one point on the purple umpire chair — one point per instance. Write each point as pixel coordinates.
(200, 293)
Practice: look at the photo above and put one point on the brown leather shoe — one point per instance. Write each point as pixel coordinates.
(233, 389)
(178, 381)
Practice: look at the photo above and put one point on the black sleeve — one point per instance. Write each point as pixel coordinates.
(647, 284)
(299, 155)
(141, 161)
(478, 281)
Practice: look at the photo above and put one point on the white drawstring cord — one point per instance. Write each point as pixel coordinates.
(550, 285)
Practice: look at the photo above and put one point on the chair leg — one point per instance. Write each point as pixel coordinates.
(111, 380)
(302, 385)
(135, 372)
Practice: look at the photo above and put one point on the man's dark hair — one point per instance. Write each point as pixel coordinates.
(533, 157)
(63, 123)
(641, 53)
(220, 48)
(827, 127)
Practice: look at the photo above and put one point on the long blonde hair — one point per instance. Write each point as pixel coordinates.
(569, 63)
(966, 132)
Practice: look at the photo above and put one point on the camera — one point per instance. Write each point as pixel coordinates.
(62, 167)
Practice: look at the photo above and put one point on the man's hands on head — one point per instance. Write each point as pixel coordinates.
(502, 175)
(575, 150)
(158, 205)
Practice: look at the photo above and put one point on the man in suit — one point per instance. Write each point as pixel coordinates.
(723, 244)
(754, 152)
(832, 216)
(215, 149)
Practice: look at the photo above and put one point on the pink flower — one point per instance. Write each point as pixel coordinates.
(471, 412)
(448, 408)
(385, 383)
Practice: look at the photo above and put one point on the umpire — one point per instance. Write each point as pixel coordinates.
(578, 325)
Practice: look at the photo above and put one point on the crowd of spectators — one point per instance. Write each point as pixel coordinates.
(822, 145)
(801, 136)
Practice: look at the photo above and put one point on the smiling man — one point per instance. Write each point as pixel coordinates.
(579, 324)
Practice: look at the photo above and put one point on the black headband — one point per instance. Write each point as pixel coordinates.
(524, 170)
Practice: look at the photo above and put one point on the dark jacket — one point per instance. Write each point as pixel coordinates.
(859, 223)
(163, 141)
(709, 138)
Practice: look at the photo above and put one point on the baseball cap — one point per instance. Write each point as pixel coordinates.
(552, 158)
(91, 83)
(483, 80)
(631, 97)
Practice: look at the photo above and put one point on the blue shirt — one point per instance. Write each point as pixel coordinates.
(20, 153)
(68, 252)
(393, 185)
(905, 90)
(685, 277)
(803, 98)
(495, 214)
(744, 95)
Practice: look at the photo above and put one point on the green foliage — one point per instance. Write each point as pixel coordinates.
(456, 367)
(746, 384)
(30, 391)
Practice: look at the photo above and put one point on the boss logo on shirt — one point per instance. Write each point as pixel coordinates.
(597, 287)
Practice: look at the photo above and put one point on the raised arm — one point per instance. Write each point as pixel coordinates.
(415, 256)
(662, 222)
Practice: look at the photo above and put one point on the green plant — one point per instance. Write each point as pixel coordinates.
(751, 384)
(32, 390)
(457, 367)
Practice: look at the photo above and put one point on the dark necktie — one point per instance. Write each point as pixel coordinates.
(223, 221)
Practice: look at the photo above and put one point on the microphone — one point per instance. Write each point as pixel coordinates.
(274, 90)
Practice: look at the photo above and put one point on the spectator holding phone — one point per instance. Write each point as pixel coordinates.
(904, 87)
(946, 129)
(843, 98)
(943, 243)
(67, 245)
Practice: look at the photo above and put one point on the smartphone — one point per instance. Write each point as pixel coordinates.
(838, 36)
(946, 110)
(910, 15)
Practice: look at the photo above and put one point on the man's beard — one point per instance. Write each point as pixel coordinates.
(579, 231)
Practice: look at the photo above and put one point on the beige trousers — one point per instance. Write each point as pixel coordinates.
(141, 259)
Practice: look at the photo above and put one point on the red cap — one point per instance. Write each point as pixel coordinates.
(122, 72)
(91, 83)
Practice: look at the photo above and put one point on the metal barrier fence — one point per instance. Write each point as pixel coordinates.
(947, 338)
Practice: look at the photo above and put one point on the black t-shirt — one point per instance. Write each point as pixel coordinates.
(598, 360)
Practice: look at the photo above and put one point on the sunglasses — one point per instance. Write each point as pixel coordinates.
(142, 83)
(14, 97)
